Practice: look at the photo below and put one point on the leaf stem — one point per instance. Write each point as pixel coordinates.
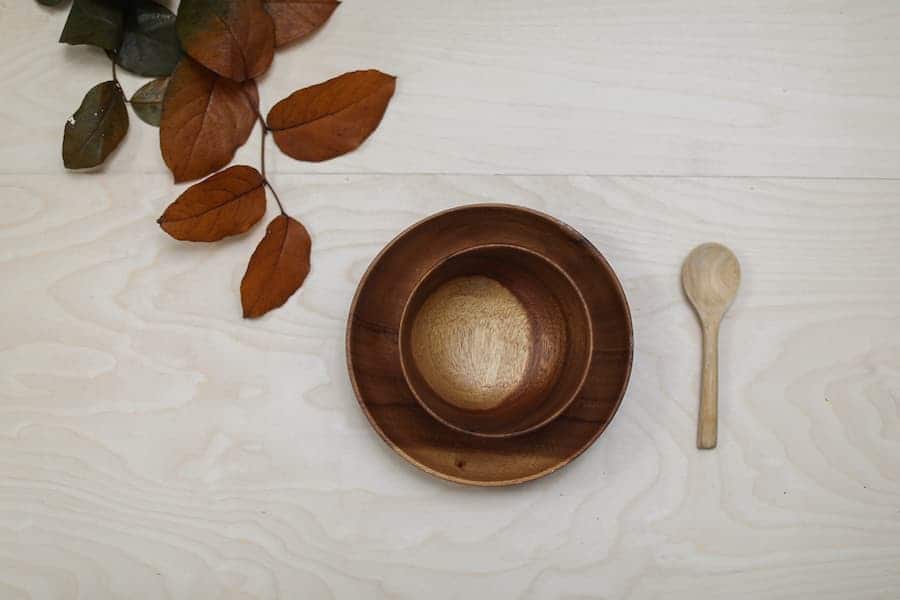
(255, 107)
(262, 153)
(262, 150)
(277, 199)
(115, 78)
(262, 165)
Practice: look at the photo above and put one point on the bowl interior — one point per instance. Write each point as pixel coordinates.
(495, 341)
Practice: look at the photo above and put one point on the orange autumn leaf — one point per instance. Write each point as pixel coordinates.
(205, 119)
(332, 118)
(234, 38)
(278, 267)
(228, 203)
(295, 19)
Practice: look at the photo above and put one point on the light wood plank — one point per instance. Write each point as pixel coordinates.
(687, 87)
(155, 445)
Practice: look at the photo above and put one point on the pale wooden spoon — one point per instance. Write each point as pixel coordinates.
(710, 276)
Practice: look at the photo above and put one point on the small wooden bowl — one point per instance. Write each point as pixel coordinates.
(376, 373)
(495, 341)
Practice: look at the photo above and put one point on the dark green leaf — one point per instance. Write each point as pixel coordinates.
(94, 22)
(233, 38)
(147, 101)
(51, 2)
(96, 128)
(149, 42)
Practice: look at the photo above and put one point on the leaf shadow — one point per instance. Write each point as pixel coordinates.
(54, 9)
(198, 247)
(80, 54)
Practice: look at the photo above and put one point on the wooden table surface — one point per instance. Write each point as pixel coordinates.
(154, 445)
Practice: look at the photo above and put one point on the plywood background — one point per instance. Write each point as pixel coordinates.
(154, 445)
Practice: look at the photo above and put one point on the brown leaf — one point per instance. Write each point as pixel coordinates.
(295, 19)
(205, 119)
(332, 118)
(234, 38)
(277, 268)
(228, 203)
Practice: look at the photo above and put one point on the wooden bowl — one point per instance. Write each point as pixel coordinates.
(373, 356)
(495, 340)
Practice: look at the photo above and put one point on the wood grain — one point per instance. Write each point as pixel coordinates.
(155, 445)
(497, 340)
(471, 340)
(380, 383)
(685, 87)
(710, 277)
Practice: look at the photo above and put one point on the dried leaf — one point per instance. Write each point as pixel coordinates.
(94, 22)
(96, 128)
(205, 119)
(332, 118)
(234, 38)
(295, 19)
(149, 42)
(277, 268)
(228, 203)
(147, 101)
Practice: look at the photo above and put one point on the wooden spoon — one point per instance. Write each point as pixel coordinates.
(710, 276)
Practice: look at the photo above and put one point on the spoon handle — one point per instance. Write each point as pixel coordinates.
(707, 425)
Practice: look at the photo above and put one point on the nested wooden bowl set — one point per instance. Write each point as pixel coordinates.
(489, 344)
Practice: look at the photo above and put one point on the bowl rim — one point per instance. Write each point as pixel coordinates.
(414, 461)
(404, 324)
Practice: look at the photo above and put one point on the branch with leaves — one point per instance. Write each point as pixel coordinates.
(206, 104)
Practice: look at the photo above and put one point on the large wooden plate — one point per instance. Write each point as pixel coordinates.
(374, 362)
